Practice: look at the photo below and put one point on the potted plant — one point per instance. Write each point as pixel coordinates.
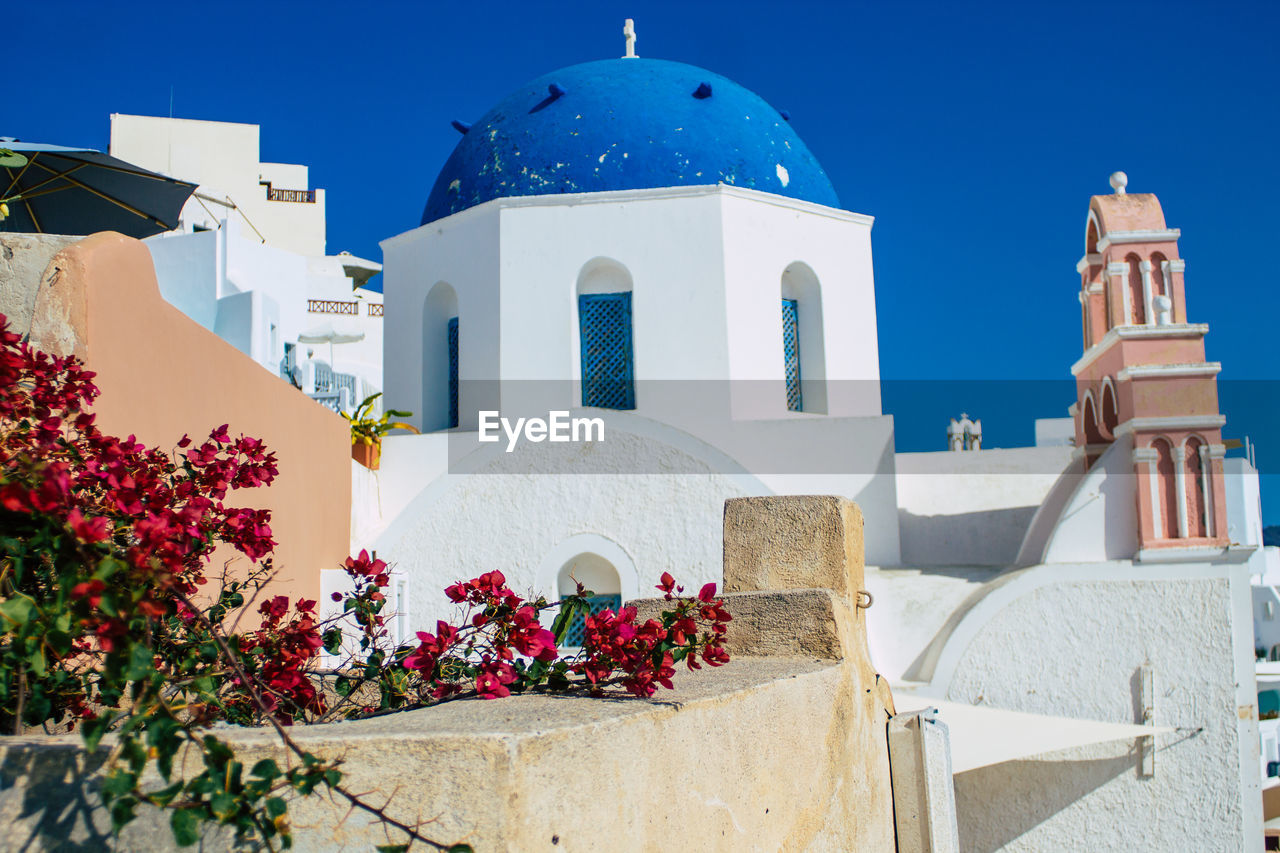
(367, 431)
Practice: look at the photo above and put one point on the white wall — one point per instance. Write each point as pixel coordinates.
(222, 157)
(1099, 522)
(1068, 640)
(462, 251)
(495, 510)
(974, 507)
(763, 236)
(205, 274)
(189, 272)
(706, 265)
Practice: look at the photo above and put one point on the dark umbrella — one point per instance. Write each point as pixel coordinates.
(49, 189)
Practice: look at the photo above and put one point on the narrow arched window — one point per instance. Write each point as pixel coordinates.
(1110, 412)
(440, 361)
(791, 353)
(453, 371)
(1166, 489)
(605, 335)
(1195, 486)
(1137, 293)
(608, 363)
(804, 359)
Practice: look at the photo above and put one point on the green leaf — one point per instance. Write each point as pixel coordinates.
(91, 731)
(461, 848)
(266, 769)
(560, 626)
(165, 795)
(332, 778)
(36, 662)
(122, 812)
(333, 640)
(186, 826)
(16, 610)
(392, 848)
(141, 663)
(107, 567)
(119, 782)
(224, 806)
(276, 807)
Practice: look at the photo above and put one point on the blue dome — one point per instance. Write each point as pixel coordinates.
(625, 124)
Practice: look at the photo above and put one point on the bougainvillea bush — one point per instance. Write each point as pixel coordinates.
(122, 620)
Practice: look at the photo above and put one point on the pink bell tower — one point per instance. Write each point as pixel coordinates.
(1143, 374)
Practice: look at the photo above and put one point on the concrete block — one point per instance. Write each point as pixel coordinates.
(782, 623)
(793, 542)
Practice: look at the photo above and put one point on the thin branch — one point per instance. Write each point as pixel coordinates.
(251, 687)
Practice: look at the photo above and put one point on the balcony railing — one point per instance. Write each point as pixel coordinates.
(333, 306)
(375, 309)
(303, 196)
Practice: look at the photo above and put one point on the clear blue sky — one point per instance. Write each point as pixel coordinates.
(974, 133)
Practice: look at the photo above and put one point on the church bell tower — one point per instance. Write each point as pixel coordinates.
(1143, 377)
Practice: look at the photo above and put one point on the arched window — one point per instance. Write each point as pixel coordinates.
(1110, 412)
(605, 335)
(1091, 235)
(1160, 284)
(440, 361)
(1137, 295)
(1195, 486)
(1166, 489)
(596, 574)
(804, 359)
(1089, 420)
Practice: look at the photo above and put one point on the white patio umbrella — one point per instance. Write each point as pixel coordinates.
(328, 333)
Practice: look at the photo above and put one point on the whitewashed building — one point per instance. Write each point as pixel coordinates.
(248, 260)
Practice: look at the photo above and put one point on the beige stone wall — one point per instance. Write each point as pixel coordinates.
(784, 748)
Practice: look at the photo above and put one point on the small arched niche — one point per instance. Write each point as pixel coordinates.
(441, 332)
(606, 347)
(804, 350)
(596, 574)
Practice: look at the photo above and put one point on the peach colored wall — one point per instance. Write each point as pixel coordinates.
(163, 375)
(1181, 396)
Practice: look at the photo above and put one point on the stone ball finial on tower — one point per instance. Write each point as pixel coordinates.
(1119, 180)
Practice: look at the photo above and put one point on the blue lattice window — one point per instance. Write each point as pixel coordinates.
(577, 628)
(453, 371)
(791, 353)
(607, 361)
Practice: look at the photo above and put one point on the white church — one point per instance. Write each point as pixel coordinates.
(649, 244)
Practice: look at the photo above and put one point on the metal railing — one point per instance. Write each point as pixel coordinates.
(336, 401)
(333, 306)
(301, 196)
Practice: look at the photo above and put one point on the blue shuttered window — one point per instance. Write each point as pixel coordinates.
(577, 628)
(453, 372)
(607, 360)
(791, 353)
